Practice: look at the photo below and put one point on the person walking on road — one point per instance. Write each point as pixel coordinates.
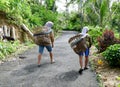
(48, 46)
(87, 51)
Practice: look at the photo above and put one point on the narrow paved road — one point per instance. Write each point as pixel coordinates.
(62, 73)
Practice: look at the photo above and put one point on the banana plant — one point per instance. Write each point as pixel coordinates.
(115, 19)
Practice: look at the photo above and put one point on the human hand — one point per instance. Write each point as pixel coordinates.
(52, 45)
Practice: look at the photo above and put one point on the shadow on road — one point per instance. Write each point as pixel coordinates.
(25, 71)
(68, 76)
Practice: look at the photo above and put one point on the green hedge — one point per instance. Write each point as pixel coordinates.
(112, 55)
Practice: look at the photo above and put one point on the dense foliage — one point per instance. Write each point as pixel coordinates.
(95, 13)
(7, 48)
(29, 12)
(91, 12)
(116, 16)
(95, 32)
(112, 55)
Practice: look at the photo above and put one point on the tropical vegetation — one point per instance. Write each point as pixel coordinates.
(97, 14)
(102, 18)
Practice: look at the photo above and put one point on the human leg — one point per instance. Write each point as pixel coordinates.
(51, 58)
(81, 62)
(86, 59)
(39, 59)
(41, 48)
(86, 62)
(49, 48)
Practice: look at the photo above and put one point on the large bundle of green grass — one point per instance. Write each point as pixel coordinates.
(78, 43)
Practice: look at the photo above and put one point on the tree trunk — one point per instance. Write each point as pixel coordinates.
(5, 30)
(27, 31)
(12, 34)
(40, 1)
(8, 31)
(1, 33)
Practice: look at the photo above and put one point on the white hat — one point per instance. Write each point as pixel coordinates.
(49, 24)
(84, 30)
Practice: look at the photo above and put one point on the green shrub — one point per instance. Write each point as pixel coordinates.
(7, 48)
(112, 55)
(1, 56)
(95, 32)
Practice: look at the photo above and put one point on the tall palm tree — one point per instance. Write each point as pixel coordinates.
(98, 7)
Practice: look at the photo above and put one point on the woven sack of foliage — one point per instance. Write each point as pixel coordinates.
(41, 36)
(37, 30)
(77, 43)
(112, 55)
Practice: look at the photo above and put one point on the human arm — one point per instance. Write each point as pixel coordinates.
(52, 38)
(90, 41)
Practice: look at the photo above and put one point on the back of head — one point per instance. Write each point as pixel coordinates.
(49, 24)
(85, 30)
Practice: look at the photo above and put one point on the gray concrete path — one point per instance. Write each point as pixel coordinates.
(63, 73)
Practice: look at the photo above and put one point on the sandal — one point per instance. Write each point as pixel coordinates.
(80, 71)
(86, 68)
(53, 62)
(39, 65)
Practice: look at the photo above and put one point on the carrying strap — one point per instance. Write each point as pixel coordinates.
(43, 33)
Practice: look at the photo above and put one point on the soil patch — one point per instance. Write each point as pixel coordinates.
(108, 76)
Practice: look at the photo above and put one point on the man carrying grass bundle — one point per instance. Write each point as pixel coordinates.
(45, 39)
(81, 44)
